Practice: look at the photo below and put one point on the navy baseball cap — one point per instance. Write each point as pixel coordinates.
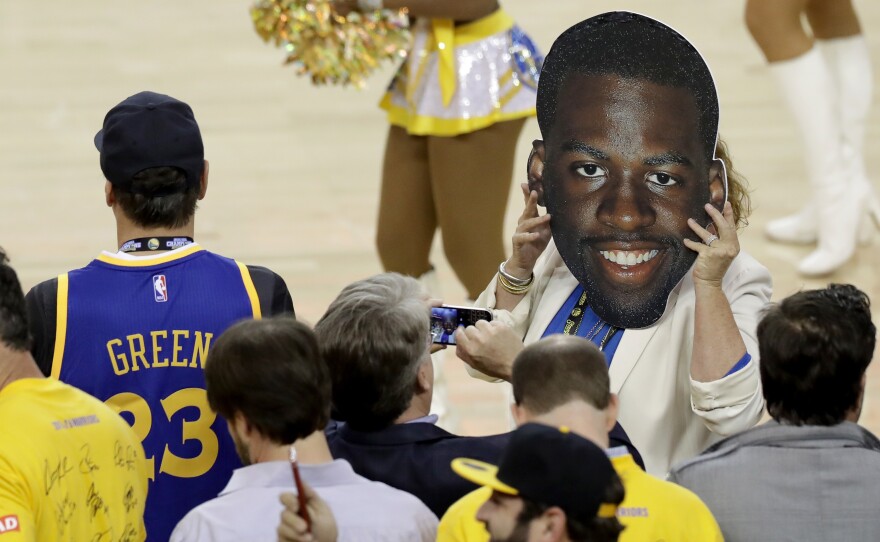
(150, 130)
(550, 466)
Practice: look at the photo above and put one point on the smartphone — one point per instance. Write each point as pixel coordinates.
(445, 319)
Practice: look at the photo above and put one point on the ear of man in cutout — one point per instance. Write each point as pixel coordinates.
(629, 117)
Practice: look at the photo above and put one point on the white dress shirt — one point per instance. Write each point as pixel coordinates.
(248, 507)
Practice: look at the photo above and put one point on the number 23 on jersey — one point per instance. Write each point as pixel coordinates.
(198, 429)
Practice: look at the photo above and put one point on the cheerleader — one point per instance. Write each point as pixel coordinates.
(826, 81)
(456, 109)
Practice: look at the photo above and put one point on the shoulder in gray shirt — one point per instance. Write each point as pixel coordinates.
(781, 482)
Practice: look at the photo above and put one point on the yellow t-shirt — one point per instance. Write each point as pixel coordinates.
(71, 469)
(459, 523)
(653, 510)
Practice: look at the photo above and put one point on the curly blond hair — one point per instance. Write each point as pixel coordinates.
(737, 187)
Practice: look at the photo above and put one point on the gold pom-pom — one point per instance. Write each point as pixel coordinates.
(328, 47)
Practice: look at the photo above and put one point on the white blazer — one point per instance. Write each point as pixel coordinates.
(668, 415)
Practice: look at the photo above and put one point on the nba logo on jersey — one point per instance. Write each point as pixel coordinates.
(160, 288)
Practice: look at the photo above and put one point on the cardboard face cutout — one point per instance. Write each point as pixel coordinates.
(629, 115)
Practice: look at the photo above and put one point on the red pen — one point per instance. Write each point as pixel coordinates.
(300, 492)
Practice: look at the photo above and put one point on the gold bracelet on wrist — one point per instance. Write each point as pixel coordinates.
(515, 281)
(513, 288)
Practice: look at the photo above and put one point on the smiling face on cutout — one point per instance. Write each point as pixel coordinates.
(621, 170)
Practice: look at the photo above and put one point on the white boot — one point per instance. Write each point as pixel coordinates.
(799, 228)
(850, 64)
(808, 87)
(806, 81)
(851, 71)
(840, 217)
(802, 228)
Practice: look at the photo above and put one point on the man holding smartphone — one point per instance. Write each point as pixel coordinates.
(376, 339)
(629, 174)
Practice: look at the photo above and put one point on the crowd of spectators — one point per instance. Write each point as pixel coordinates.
(634, 398)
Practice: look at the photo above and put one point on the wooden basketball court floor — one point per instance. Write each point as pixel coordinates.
(294, 169)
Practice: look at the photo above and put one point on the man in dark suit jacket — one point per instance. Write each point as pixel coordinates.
(376, 338)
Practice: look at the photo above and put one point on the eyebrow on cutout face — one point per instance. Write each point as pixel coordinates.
(668, 158)
(664, 159)
(573, 145)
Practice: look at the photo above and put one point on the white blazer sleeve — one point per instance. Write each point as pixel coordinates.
(735, 403)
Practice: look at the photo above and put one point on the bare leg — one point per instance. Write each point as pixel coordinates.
(831, 19)
(471, 177)
(777, 28)
(406, 208)
(836, 27)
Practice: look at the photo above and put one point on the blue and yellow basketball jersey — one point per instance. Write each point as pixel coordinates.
(135, 333)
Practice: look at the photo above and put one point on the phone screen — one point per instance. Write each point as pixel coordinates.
(446, 319)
